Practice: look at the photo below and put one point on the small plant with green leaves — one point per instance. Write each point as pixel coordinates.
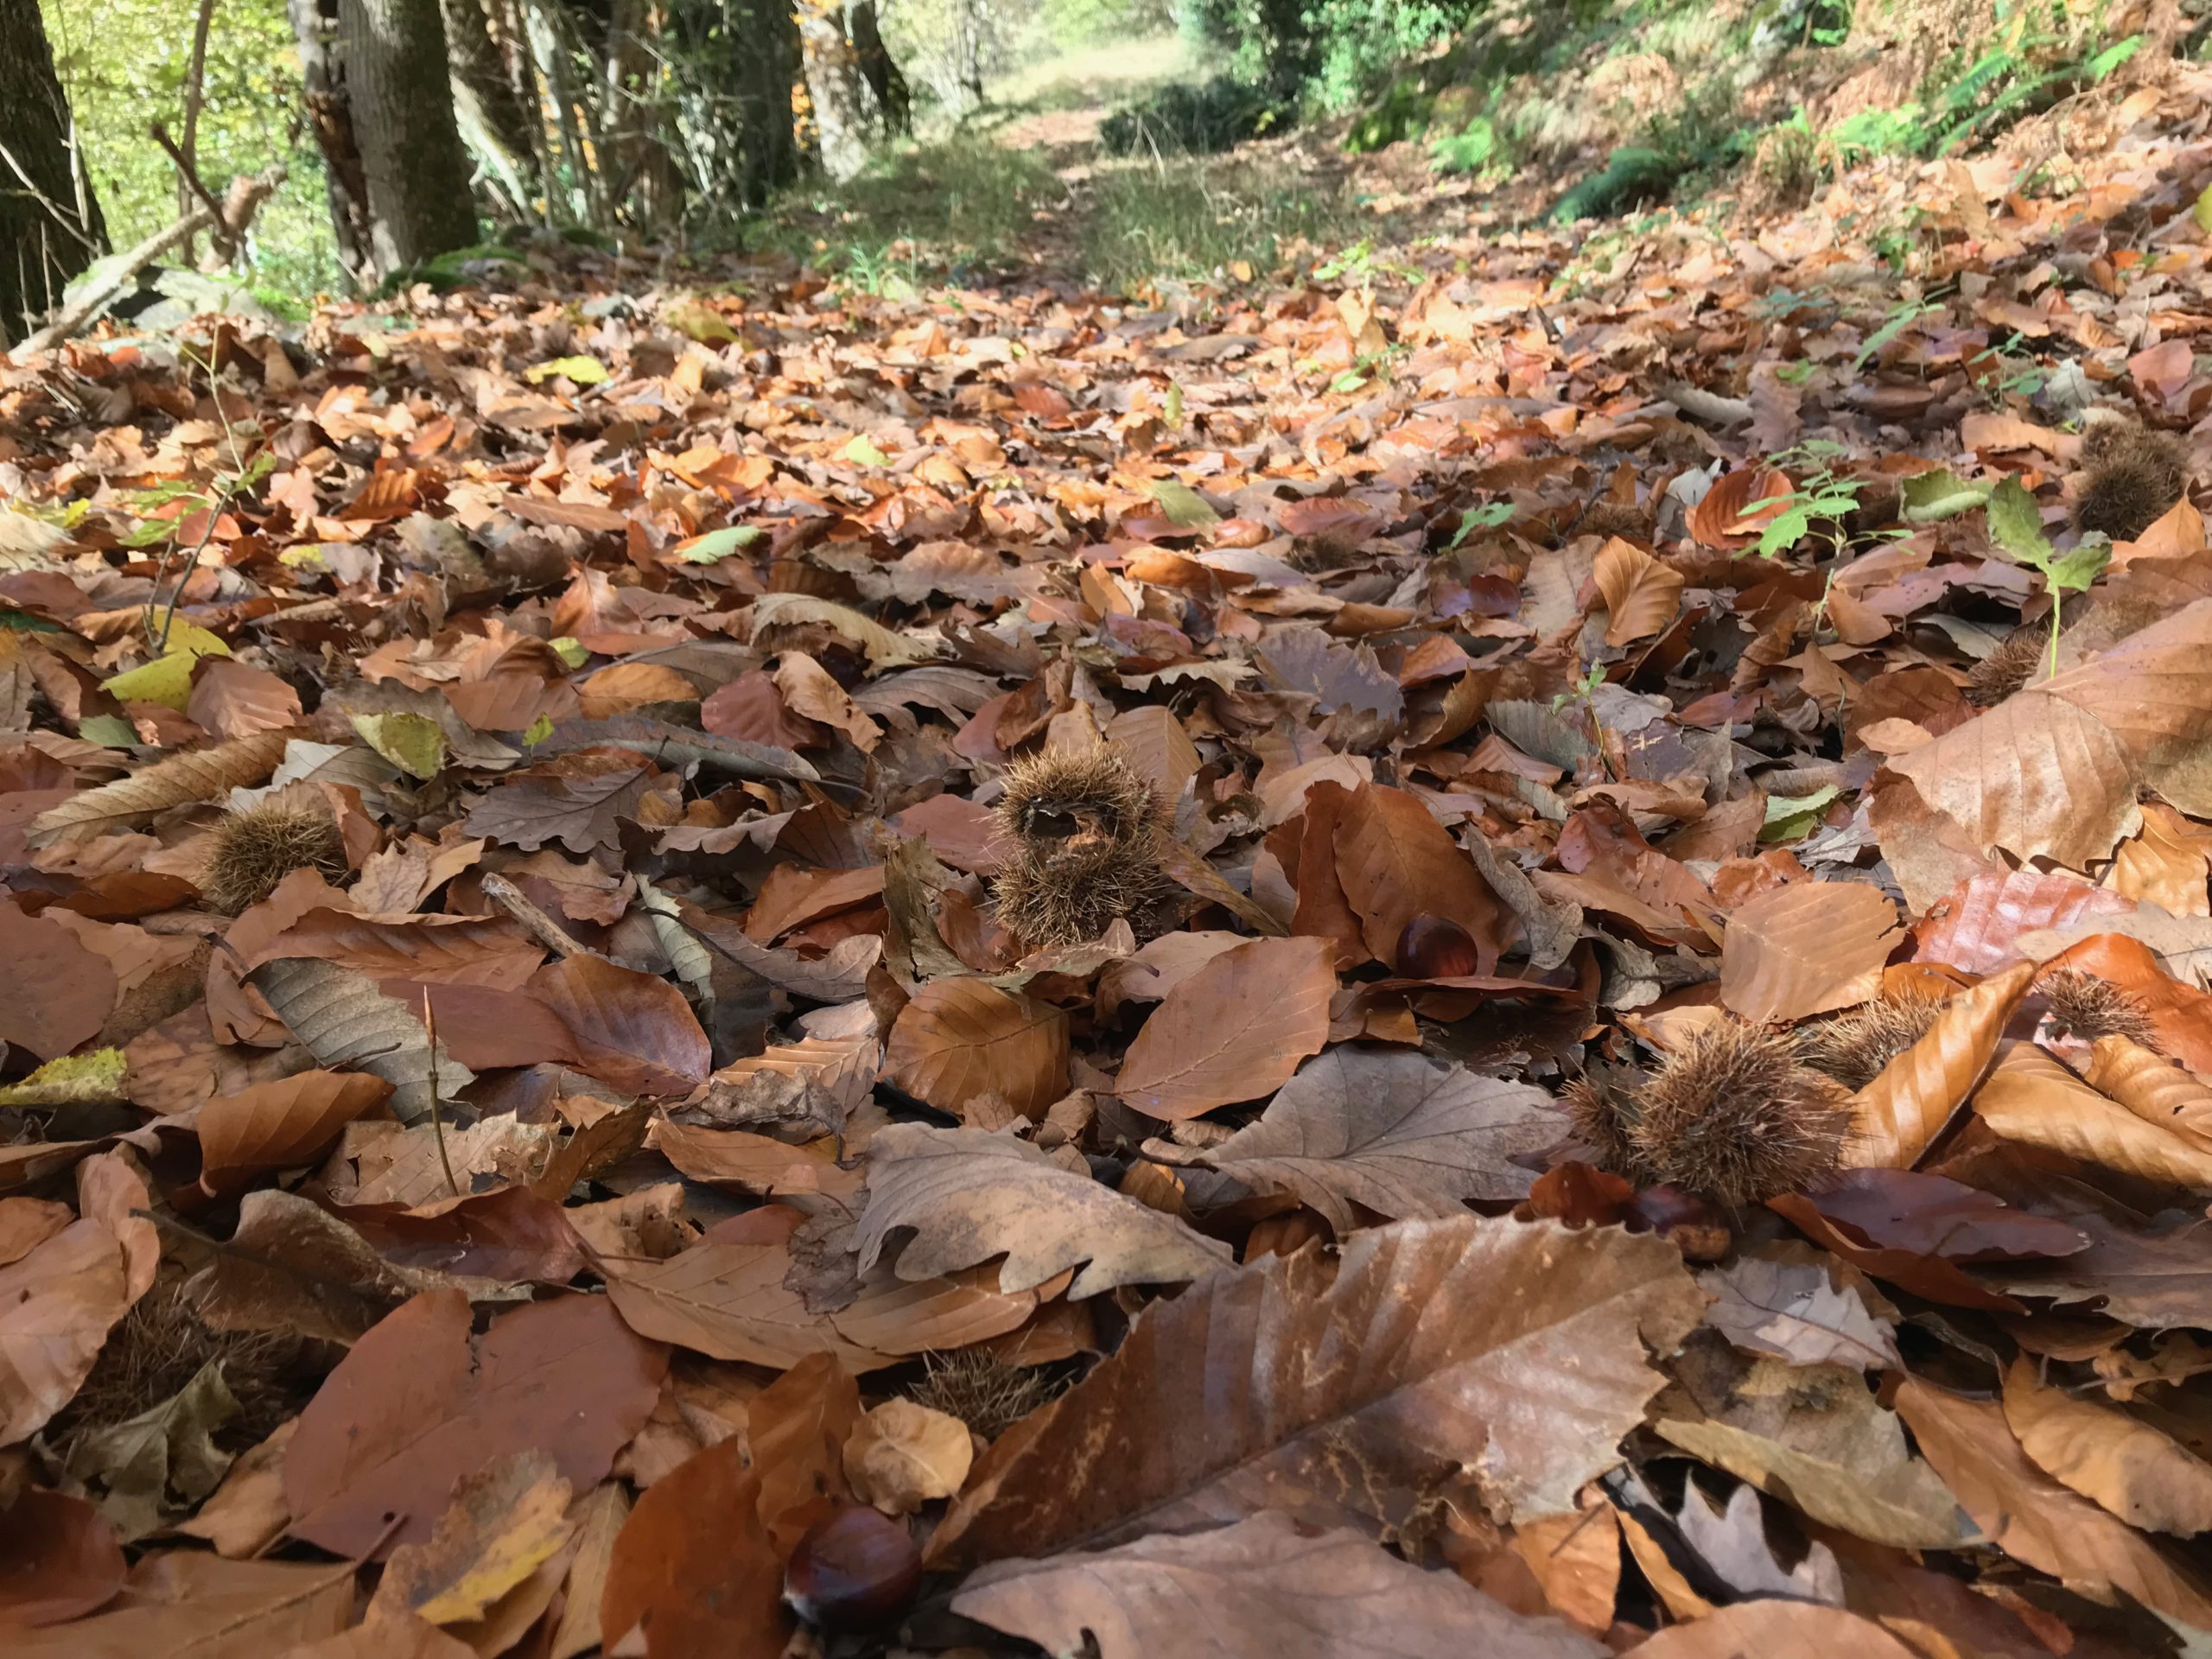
(1815, 505)
(2015, 526)
(1488, 516)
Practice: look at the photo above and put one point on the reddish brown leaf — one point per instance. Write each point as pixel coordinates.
(1234, 1030)
(1394, 861)
(2181, 1015)
(280, 1125)
(59, 1560)
(796, 1428)
(233, 700)
(958, 1039)
(418, 1403)
(60, 992)
(57, 1304)
(1896, 1117)
(1641, 593)
(692, 1566)
(1975, 927)
(1724, 519)
(630, 1030)
(1805, 949)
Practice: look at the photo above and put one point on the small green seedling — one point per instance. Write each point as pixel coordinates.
(2016, 526)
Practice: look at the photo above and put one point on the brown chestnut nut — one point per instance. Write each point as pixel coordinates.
(1692, 1224)
(1436, 947)
(854, 1569)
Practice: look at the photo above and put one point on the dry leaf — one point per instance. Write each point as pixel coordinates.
(1514, 1350)
(57, 1305)
(343, 1021)
(505, 1519)
(1776, 1628)
(1263, 1588)
(902, 1455)
(1234, 1030)
(2164, 865)
(2153, 1088)
(1895, 1117)
(2036, 1521)
(2031, 1097)
(1393, 1133)
(281, 1125)
(692, 1564)
(1395, 861)
(2146, 1478)
(967, 1195)
(195, 775)
(1791, 1309)
(59, 1560)
(1806, 949)
(1641, 593)
(958, 1039)
(182, 1603)
(418, 1404)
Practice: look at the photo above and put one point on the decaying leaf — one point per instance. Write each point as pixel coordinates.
(340, 1017)
(1234, 1030)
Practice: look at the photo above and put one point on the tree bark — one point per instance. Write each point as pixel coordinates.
(392, 55)
(766, 68)
(50, 225)
(894, 102)
(845, 113)
(315, 27)
(485, 103)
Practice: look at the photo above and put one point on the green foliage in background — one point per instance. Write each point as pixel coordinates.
(124, 65)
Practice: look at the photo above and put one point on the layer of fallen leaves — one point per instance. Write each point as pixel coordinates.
(649, 1147)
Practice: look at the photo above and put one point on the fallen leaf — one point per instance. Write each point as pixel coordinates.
(958, 1039)
(1793, 1310)
(196, 775)
(1775, 1627)
(1393, 1133)
(796, 1429)
(1263, 1588)
(633, 1031)
(281, 1125)
(2146, 1478)
(1896, 1117)
(902, 1455)
(1806, 949)
(1641, 593)
(61, 994)
(967, 1195)
(417, 1404)
(2153, 1088)
(342, 1020)
(2031, 1097)
(59, 1560)
(1234, 1030)
(1514, 1350)
(1395, 861)
(182, 1604)
(505, 1519)
(692, 1565)
(163, 1461)
(57, 1304)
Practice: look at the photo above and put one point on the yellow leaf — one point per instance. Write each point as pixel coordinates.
(582, 371)
(2203, 212)
(695, 321)
(569, 649)
(167, 679)
(1184, 507)
(505, 1521)
(414, 743)
(862, 450)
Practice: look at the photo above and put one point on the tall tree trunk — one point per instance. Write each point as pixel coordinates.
(646, 185)
(315, 27)
(492, 118)
(766, 68)
(894, 102)
(50, 225)
(393, 57)
(845, 114)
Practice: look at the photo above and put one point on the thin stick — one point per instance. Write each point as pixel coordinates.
(437, 1122)
(542, 927)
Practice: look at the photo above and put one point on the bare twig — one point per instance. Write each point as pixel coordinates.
(437, 1118)
(191, 178)
(541, 927)
(245, 204)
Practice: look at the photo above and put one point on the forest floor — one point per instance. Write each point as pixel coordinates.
(1485, 939)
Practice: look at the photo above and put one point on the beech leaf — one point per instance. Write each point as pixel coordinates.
(1234, 1030)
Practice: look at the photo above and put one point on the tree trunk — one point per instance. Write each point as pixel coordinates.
(647, 189)
(492, 116)
(767, 66)
(50, 225)
(315, 26)
(845, 114)
(893, 102)
(393, 57)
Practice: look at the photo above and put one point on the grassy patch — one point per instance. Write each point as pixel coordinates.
(1188, 217)
(966, 204)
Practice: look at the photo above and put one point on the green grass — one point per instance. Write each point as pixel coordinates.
(1189, 217)
(964, 205)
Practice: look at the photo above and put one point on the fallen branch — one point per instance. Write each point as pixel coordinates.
(245, 199)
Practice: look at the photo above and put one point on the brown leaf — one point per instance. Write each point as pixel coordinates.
(505, 1519)
(2031, 1097)
(478, 951)
(232, 700)
(2153, 692)
(1268, 1589)
(1234, 1030)
(902, 1455)
(2146, 1478)
(26, 1224)
(2037, 775)
(281, 1125)
(958, 1039)
(693, 1565)
(1393, 1133)
(1792, 1309)
(1896, 1117)
(1517, 1349)
(752, 709)
(59, 1560)
(1775, 1628)
(795, 1430)
(342, 1020)
(2036, 1520)
(1805, 949)
(59, 994)
(729, 1300)
(1641, 593)
(632, 1030)
(2153, 1088)
(2164, 865)
(247, 1512)
(1976, 925)
(1721, 519)
(811, 693)
(575, 799)
(182, 1604)
(757, 1164)
(195, 775)
(57, 1305)
(2181, 1015)
(1395, 861)
(969, 1195)
(599, 1520)
(418, 1403)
